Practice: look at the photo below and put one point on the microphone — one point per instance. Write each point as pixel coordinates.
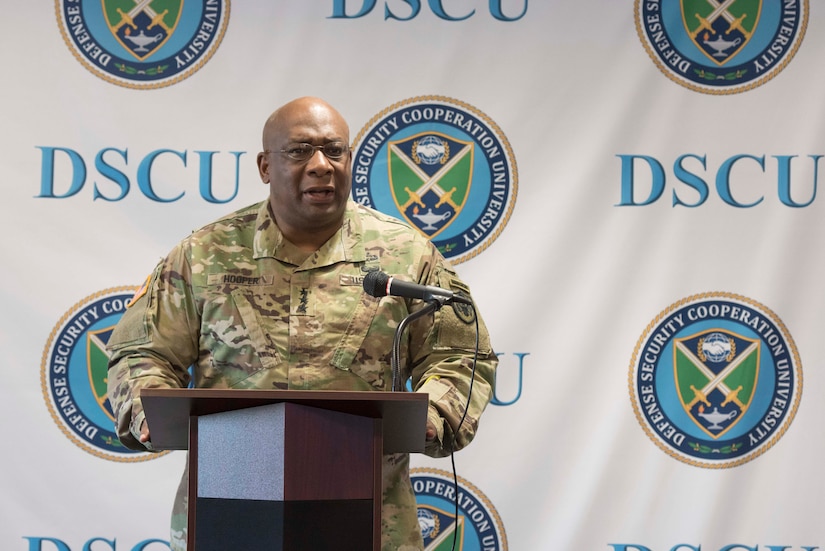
(378, 284)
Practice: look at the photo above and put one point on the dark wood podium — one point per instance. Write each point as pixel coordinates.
(285, 470)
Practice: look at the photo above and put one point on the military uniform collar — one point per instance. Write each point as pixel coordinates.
(346, 245)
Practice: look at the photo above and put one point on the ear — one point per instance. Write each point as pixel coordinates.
(263, 167)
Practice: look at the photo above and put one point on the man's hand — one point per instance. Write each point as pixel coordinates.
(434, 425)
(431, 432)
(434, 434)
(144, 432)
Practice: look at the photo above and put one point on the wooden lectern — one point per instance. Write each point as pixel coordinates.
(285, 470)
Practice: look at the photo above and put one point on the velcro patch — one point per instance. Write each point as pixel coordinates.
(140, 292)
(350, 280)
(237, 279)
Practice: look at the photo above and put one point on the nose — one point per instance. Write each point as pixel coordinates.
(318, 164)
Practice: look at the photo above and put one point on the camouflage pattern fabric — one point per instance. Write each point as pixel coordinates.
(246, 309)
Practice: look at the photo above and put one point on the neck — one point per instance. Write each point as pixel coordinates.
(306, 236)
(310, 242)
(304, 240)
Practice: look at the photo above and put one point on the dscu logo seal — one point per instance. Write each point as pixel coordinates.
(143, 43)
(443, 167)
(721, 46)
(74, 374)
(478, 527)
(715, 380)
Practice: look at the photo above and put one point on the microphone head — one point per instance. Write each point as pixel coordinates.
(375, 283)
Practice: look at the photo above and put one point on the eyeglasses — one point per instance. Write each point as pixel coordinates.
(334, 151)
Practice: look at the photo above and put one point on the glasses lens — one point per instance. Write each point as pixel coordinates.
(335, 150)
(304, 151)
(299, 151)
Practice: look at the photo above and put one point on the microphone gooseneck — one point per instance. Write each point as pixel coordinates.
(378, 284)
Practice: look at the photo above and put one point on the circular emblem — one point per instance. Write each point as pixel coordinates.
(142, 43)
(442, 166)
(715, 380)
(74, 373)
(721, 46)
(478, 527)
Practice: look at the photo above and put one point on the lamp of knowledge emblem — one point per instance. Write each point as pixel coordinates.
(715, 380)
(721, 46)
(142, 43)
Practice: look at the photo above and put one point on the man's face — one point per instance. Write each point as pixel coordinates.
(307, 197)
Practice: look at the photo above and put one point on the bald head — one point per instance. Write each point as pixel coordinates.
(299, 112)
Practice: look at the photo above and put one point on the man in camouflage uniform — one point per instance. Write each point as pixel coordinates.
(271, 297)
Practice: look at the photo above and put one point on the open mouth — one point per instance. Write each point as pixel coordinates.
(319, 194)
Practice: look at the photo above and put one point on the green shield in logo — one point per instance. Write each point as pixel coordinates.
(430, 175)
(720, 28)
(97, 360)
(142, 26)
(716, 373)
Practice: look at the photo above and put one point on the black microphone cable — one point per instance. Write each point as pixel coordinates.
(461, 422)
(437, 302)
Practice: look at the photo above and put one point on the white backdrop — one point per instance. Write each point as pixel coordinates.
(569, 283)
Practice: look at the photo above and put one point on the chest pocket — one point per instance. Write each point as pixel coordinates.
(355, 333)
(257, 312)
(234, 347)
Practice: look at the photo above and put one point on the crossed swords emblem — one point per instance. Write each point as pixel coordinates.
(716, 381)
(720, 9)
(430, 182)
(128, 18)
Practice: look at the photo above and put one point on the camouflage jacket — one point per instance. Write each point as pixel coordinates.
(247, 310)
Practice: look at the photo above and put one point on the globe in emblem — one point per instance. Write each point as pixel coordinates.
(716, 347)
(430, 149)
(428, 523)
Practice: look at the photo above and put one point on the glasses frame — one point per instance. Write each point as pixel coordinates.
(315, 148)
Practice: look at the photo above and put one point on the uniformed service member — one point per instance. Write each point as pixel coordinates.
(271, 297)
